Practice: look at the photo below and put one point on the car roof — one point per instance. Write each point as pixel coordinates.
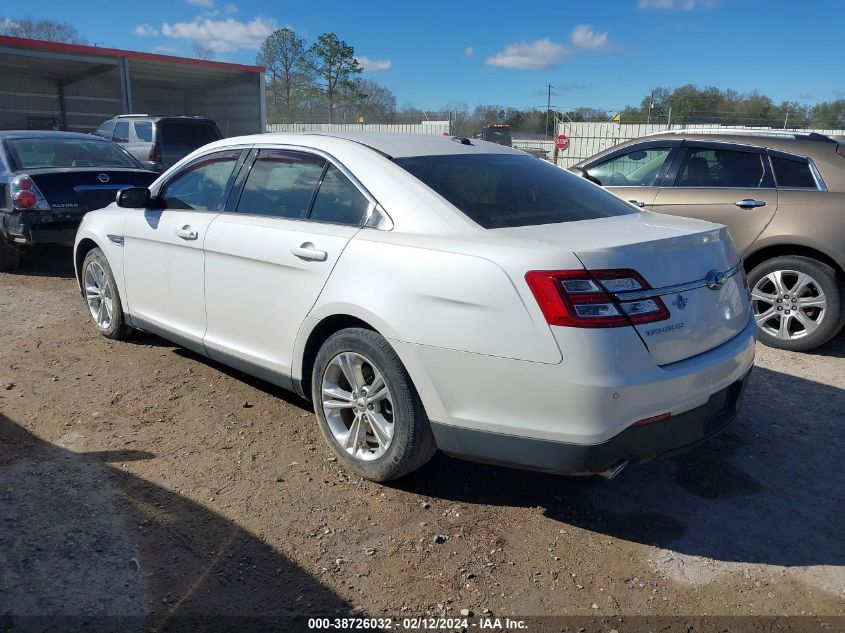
(13, 134)
(387, 143)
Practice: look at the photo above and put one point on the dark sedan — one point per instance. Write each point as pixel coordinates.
(49, 180)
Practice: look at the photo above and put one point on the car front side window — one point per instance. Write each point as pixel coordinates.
(202, 185)
(638, 168)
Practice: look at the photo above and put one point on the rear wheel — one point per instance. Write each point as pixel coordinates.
(100, 292)
(367, 408)
(797, 302)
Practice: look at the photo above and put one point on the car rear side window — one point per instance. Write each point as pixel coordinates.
(506, 190)
(638, 168)
(793, 174)
(144, 131)
(281, 183)
(121, 132)
(338, 200)
(720, 168)
(203, 184)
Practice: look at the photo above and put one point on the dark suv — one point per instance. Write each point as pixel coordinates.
(159, 141)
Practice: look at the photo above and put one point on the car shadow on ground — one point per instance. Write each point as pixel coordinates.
(80, 536)
(769, 490)
(47, 260)
(835, 348)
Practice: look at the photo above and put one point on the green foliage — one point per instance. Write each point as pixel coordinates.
(335, 66)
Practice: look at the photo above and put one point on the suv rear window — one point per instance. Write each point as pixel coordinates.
(506, 190)
(794, 174)
(187, 135)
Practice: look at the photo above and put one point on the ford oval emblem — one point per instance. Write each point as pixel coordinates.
(103, 177)
(715, 279)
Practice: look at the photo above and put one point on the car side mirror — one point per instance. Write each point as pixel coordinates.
(583, 173)
(134, 198)
(150, 165)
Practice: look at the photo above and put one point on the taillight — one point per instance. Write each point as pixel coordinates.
(155, 153)
(26, 195)
(581, 298)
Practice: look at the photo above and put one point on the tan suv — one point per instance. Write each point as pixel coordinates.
(782, 196)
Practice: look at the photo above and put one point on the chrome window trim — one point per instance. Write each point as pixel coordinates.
(374, 209)
(668, 290)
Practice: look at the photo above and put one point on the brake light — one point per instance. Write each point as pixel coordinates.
(25, 194)
(155, 153)
(581, 298)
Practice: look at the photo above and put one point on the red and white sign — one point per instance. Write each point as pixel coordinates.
(562, 142)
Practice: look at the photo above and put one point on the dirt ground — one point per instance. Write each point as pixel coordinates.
(135, 481)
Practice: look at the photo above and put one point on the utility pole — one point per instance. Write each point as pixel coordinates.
(785, 119)
(548, 110)
(650, 106)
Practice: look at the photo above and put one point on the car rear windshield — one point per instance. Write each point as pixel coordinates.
(505, 190)
(35, 153)
(187, 135)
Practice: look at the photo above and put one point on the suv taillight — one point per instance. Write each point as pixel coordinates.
(25, 194)
(155, 153)
(582, 298)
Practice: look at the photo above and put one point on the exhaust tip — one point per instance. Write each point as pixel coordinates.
(614, 470)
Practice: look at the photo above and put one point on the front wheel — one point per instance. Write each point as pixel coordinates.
(797, 302)
(100, 292)
(367, 408)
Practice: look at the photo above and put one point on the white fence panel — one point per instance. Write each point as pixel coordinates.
(426, 127)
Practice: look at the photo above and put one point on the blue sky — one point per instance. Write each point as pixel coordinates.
(604, 54)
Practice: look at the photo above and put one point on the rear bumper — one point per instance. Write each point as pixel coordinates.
(633, 445)
(39, 228)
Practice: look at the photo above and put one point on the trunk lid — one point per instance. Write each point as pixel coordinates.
(668, 252)
(74, 192)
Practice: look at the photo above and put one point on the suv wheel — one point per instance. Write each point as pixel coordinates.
(367, 408)
(100, 292)
(797, 302)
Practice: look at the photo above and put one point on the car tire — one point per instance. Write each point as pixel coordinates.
(10, 255)
(392, 436)
(797, 302)
(101, 296)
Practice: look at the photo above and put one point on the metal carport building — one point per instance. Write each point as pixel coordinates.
(50, 85)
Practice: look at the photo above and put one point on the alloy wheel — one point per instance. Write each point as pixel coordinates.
(358, 406)
(788, 304)
(98, 294)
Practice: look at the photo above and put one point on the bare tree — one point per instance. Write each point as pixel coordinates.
(201, 51)
(48, 30)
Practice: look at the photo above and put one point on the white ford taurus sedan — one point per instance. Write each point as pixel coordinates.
(432, 292)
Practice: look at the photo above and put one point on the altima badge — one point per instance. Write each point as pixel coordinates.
(103, 178)
(680, 301)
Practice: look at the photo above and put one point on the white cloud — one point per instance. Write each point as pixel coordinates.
(373, 65)
(230, 8)
(678, 5)
(205, 4)
(469, 51)
(146, 30)
(535, 55)
(583, 36)
(222, 36)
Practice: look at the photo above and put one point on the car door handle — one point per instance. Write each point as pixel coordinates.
(637, 203)
(187, 233)
(307, 252)
(749, 203)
